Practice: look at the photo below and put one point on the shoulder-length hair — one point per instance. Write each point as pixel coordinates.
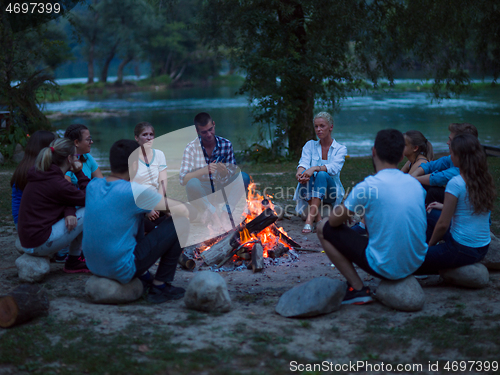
(38, 140)
(57, 153)
(474, 168)
(417, 139)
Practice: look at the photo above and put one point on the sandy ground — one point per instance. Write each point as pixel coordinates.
(254, 297)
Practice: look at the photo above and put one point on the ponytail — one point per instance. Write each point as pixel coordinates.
(56, 153)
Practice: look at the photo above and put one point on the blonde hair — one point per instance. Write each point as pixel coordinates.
(326, 116)
(56, 153)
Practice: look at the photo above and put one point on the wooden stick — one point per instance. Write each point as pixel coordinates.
(310, 250)
(23, 304)
(257, 258)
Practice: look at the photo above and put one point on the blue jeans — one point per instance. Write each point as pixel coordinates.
(320, 185)
(198, 191)
(449, 254)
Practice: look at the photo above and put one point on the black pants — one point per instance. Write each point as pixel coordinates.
(434, 194)
(161, 243)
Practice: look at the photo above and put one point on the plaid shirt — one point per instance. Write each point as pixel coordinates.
(195, 157)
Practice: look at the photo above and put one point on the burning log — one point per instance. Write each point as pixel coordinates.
(222, 251)
(186, 262)
(244, 253)
(277, 251)
(257, 258)
(23, 304)
(283, 236)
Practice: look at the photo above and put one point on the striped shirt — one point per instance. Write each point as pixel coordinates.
(195, 157)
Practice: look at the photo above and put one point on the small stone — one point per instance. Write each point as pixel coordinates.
(32, 269)
(207, 291)
(492, 258)
(102, 290)
(316, 297)
(404, 295)
(472, 276)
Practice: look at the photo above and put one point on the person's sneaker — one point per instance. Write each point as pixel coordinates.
(60, 258)
(357, 297)
(164, 293)
(75, 264)
(146, 280)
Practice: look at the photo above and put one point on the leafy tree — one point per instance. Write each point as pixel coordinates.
(28, 58)
(296, 52)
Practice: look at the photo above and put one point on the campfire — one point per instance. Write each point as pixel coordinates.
(257, 238)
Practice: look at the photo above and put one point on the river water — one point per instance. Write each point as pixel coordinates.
(356, 124)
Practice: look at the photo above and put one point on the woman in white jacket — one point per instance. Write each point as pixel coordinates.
(318, 172)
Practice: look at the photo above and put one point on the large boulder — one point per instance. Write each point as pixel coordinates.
(472, 276)
(18, 154)
(316, 297)
(492, 258)
(32, 269)
(404, 295)
(102, 290)
(207, 291)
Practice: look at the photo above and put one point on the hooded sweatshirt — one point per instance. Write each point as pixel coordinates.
(47, 198)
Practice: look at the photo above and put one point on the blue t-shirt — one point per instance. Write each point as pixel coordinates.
(110, 227)
(88, 167)
(394, 207)
(467, 228)
(441, 170)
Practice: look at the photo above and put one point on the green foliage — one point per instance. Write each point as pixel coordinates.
(300, 54)
(9, 140)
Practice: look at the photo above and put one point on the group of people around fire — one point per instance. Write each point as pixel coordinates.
(428, 216)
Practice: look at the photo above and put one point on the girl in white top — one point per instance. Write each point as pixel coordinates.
(152, 166)
(463, 223)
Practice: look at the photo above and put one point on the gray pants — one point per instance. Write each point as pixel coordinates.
(60, 238)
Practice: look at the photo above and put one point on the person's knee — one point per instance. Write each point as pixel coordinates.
(193, 183)
(319, 228)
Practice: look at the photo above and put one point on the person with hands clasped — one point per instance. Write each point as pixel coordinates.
(462, 221)
(318, 172)
(48, 219)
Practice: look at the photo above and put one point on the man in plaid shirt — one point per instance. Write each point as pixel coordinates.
(208, 164)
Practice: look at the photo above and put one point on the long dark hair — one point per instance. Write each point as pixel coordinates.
(474, 167)
(417, 139)
(57, 153)
(37, 141)
(74, 133)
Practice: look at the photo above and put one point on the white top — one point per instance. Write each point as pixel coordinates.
(312, 157)
(467, 228)
(394, 207)
(148, 176)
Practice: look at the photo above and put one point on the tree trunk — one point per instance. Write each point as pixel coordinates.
(90, 62)
(300, 122)
(124, 62)
(105, 67)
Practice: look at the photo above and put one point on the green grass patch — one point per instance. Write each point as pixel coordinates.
(449, 333)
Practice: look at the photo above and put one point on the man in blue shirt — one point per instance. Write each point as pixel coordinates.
(434, 175)
(393, 250)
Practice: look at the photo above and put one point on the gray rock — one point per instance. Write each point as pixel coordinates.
(18, 246)
(102, 290)
(207, 291)
(472, 276)
(32, 269)
(316, 297)
(18, 153)
(2, 159)
(492, 258)
(404, 295)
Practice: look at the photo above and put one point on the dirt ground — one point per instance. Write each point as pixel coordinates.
(338, 337)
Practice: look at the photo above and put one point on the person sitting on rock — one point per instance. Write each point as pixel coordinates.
(418, 150)
(434, 175)
(48, 218)
(462, 222)
(392, 203)
(114, 242)
(318, 172)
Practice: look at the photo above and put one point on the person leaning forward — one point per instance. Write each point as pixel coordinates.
(393, 206)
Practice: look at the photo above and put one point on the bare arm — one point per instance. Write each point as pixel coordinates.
(418, 172)
(339, 216)
(449, 206)
(406, 167)
(424, 180)
(97, 173)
